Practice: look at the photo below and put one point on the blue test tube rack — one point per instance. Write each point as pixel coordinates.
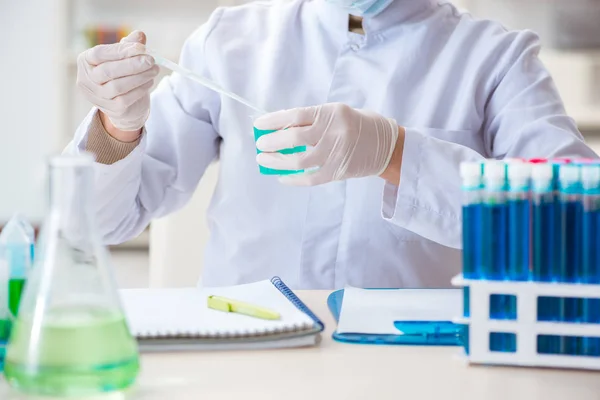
(531, 274)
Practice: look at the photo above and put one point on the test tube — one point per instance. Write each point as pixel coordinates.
(472, 251)
(557, 163)
(590, 268)
(495, 235)
(519, 227)
(571, 219)
(589, 271)
(545, 227)
(472, 199)
(494, 216)
(571, 205)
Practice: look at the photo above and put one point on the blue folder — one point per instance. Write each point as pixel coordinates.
(424, 333)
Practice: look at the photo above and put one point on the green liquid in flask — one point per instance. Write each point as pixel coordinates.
(4, 334)
(81, 351)
(15, 290)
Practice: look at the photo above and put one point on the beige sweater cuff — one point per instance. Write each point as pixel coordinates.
(107, 149)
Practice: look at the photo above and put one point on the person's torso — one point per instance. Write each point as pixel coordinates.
(411, 66)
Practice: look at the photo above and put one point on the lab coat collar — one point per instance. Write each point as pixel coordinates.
(400, 11)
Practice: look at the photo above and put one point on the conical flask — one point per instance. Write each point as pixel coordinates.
(70, 337)
(16, 257)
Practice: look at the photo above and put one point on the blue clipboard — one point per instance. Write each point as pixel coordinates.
(415, 333)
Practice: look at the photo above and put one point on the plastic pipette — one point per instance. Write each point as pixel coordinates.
(200, 79)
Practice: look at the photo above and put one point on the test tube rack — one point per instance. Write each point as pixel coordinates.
(526, 327)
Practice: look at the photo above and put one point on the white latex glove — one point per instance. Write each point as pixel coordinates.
(117, 79)
(348, 143)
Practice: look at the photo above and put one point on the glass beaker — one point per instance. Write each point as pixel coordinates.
(71, 337)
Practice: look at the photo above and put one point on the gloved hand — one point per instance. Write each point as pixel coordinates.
(117, 79)
(348, 143)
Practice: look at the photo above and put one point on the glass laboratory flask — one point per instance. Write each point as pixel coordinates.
(70, 337)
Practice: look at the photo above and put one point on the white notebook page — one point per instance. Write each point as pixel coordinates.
(374, 311)
(175, 312)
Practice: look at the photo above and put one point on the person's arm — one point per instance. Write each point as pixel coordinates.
(525, 118)
(161, 172)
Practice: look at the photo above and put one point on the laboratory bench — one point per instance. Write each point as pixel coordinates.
(342, 371)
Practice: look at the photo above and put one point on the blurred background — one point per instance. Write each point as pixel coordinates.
(40, 107)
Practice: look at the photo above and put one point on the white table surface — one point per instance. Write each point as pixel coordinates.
(341, 371)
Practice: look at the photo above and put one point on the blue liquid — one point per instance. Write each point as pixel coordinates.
(590, 267)
(590, 273)
(472, 240)
(519, 242)
(547, 310)
(268, 171)
(503, 306)
(571, 260)
(591, 315)
(544, 237)
(495, 219)
(472, 258)
(545, 228)
(574, 345)
(543, 346)
(495, 249)
(503, 342)
(570, 309)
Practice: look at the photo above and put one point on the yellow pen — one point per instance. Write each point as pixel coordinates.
(238, 307)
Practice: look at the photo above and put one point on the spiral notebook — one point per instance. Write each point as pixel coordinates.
(179, 319)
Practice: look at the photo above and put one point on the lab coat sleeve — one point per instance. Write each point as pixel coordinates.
(524, 118)
(178, 143)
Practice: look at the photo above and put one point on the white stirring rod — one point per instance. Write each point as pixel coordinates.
(199, 79)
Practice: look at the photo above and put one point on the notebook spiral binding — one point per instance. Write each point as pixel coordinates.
(291, 296)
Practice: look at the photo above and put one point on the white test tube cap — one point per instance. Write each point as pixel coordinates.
(542, 176)
(590, 176)
(519, 171)
(494, 170)
(569, 173)
(494, 175)
(470, 172)
(519, 175)
(542, 172)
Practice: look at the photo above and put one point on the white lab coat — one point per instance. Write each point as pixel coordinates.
(464, 89)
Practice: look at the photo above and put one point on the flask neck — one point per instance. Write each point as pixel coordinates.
(71, 192)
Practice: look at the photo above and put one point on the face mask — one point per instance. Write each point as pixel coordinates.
(363, 8)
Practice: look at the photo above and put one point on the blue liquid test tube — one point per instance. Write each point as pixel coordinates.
(472, 246)
(519, 222)
(590, 268)
(545, 224)
(571, 206)
(495, 235)
(472, 204)
(557, 163)
(495, 220)
(545, 232)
